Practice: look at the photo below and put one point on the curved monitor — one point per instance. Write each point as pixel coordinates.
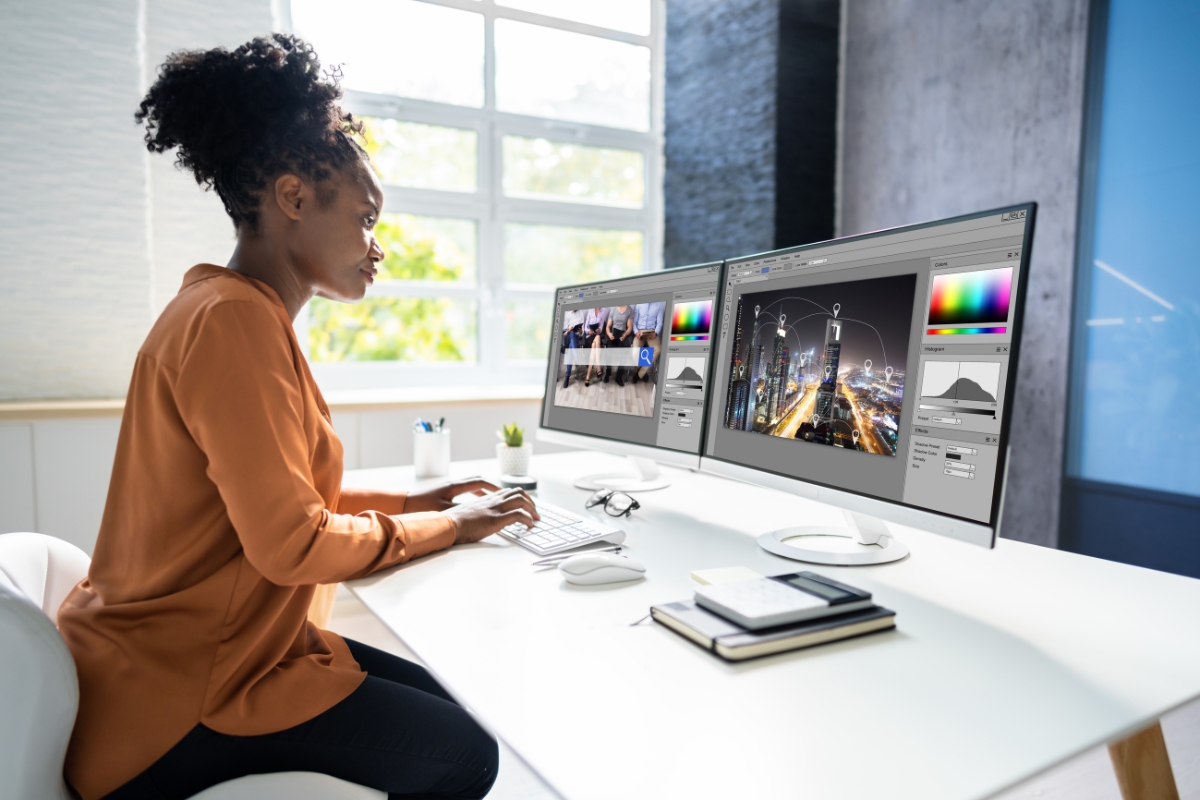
(876, 372)
(628, 370)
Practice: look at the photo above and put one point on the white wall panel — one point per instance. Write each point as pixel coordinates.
(346, 425)
(74, 243)
(17, 509)
(73, 461)
(190, 225)
(385, 436)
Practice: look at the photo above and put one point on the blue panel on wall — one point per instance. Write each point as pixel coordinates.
(1138, 425)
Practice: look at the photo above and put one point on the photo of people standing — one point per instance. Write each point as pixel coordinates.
(603, 364)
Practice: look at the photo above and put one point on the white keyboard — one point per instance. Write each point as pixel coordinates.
(560, 530)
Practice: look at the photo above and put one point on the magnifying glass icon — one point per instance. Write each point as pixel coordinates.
(646, 357)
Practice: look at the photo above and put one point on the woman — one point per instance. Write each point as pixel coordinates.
(593, 328)
(196, 662)
(619, 333)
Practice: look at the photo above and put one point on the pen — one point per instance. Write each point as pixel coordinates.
(441, 422)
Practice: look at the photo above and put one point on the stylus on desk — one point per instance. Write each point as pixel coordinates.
(552, 560)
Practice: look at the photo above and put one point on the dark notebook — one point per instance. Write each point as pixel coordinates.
(735, 643)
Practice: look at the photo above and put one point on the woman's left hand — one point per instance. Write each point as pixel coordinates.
(440, 496)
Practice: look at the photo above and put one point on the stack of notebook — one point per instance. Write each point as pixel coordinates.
(760, 616)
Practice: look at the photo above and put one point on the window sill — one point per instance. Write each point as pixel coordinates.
(339, 401)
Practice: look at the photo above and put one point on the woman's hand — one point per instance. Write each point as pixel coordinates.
(481, 518)
(440, 496)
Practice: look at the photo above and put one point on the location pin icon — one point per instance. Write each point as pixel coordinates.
(887, 373)
(756, 310)
(836, 308)
(867, 366)
(856, 434)
(827, 370)
(782, 319)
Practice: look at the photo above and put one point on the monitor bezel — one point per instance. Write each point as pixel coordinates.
(970, 530)
(608, 444)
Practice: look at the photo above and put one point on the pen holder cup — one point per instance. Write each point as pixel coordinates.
(431, 453)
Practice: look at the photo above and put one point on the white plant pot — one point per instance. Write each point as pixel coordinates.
(514, 460)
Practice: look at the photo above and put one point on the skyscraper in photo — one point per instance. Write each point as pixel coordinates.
(785, 377)
(827, 389)
(736, 370)
(739, 397)
(776, 376)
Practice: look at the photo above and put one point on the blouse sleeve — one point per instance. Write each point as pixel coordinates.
(239, 394)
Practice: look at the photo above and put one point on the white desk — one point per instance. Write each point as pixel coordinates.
(1004, 662)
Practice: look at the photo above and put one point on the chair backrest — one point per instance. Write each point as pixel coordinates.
(39, 692)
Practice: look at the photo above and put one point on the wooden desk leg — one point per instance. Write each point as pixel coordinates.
(1142, 766)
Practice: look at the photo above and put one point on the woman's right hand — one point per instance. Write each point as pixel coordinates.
(481, 518)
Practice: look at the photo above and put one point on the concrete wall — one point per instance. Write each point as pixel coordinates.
(719, 183)
(951, 108)
(95, 234)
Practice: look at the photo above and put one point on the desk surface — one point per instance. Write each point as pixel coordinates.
(1004, 662)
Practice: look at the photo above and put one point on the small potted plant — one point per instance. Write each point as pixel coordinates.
(513, 452)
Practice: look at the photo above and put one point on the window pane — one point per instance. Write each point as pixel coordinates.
(562, 75)
(422, 156)
(620, 15)
(1143, 316)
(401, 47)
(392, 329)
(527, 329)
(426, 248)
(549, 254)
(557, 171)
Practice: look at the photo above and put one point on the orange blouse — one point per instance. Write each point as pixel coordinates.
(225, 510)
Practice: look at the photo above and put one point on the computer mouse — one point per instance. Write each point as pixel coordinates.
(600, 568)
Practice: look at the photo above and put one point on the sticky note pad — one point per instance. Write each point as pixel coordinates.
(724, 575)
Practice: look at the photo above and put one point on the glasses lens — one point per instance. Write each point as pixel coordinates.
(598, 498)
(619, 503)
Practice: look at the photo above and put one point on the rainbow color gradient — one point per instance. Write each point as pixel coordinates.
(971, 298)
(952, 331)
(691, 321)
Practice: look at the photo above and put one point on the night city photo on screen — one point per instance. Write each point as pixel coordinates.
(823, 364)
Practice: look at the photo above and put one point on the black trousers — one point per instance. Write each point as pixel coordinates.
(398, 732)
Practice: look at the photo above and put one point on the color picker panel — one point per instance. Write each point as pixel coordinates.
(691, 321)
(971, 298)
(956, 331)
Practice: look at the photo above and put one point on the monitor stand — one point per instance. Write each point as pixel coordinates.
(645, 477)
(875, 543)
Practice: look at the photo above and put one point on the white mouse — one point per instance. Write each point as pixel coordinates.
(600, 568)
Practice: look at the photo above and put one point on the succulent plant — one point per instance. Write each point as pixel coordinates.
(511, 435)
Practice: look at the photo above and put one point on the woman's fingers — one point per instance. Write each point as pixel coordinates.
(472, 486)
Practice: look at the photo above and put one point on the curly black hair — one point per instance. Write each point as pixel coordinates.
(241, 118)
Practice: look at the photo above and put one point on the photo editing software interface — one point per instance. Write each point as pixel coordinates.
(629, 358)
(877, 365)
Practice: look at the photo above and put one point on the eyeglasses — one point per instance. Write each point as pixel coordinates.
(616, 504)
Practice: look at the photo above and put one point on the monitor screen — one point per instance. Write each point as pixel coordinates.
(877, 364)
(629, 358)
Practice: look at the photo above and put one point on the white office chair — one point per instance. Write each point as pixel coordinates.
(39, 692)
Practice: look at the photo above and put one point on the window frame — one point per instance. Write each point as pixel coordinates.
(491, 210)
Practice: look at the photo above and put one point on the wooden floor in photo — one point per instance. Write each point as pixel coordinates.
(632, 398)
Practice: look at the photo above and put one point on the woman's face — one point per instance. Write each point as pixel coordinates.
(335, 249)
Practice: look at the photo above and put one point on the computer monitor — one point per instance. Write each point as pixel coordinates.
(876, 373)
(628, 370)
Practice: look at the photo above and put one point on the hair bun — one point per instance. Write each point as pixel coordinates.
(239, 118)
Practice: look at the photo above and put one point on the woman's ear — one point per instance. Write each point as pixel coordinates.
(291, 195)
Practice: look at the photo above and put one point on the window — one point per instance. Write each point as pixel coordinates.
(1131, 489)
(519, 144)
